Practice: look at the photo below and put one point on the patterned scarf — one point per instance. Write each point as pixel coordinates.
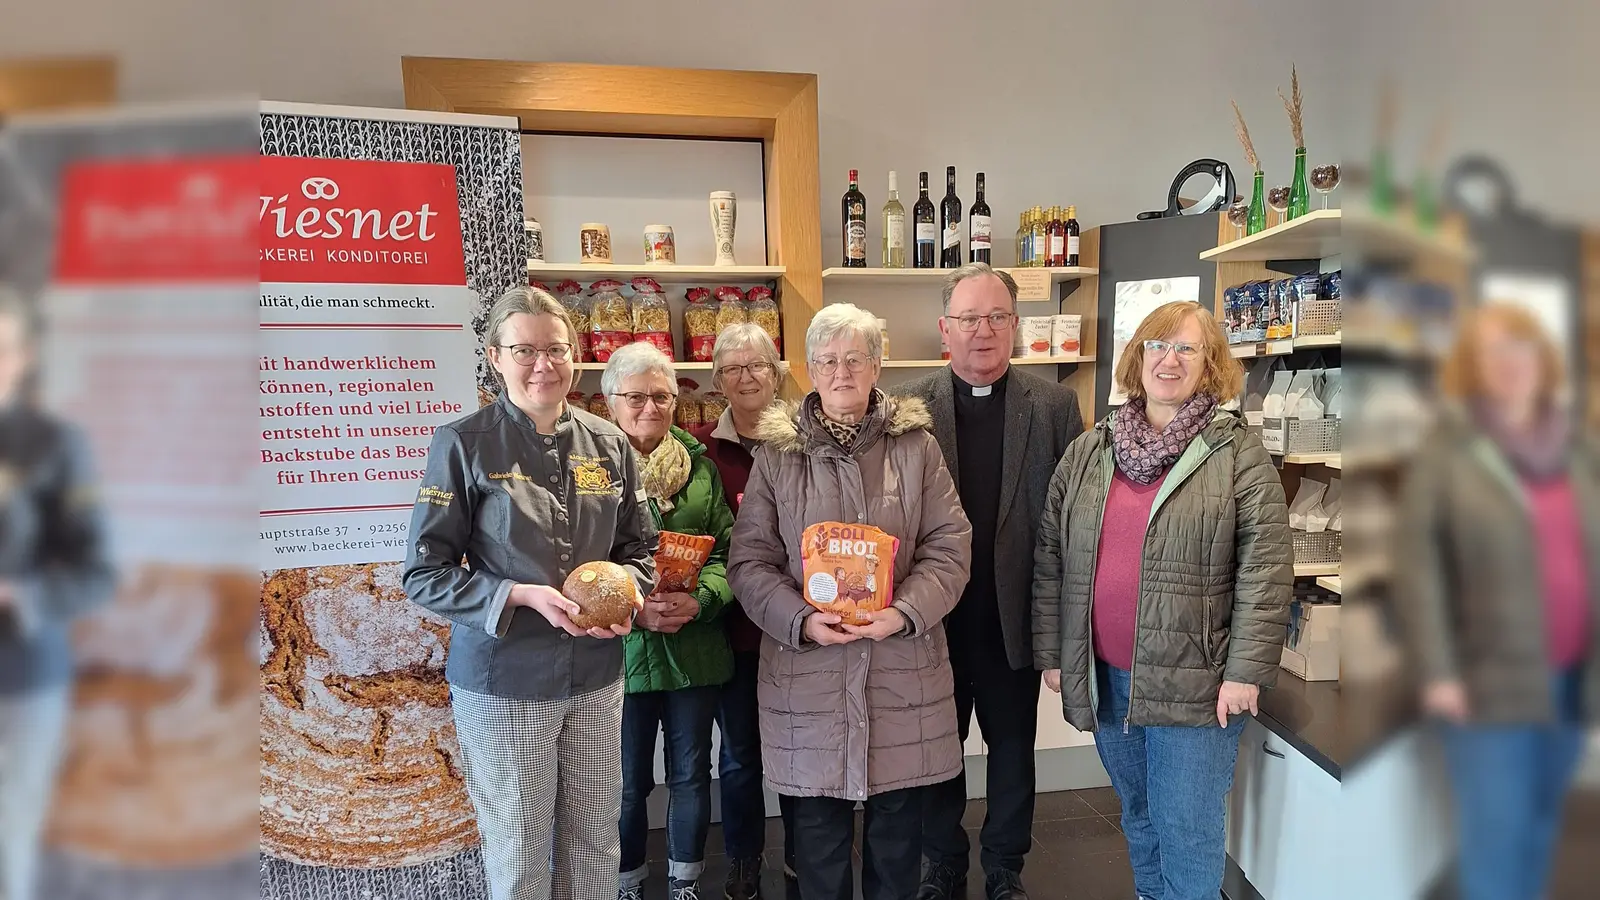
(1144, 454)
(666, 471)
(1539, 453)
(845, 435)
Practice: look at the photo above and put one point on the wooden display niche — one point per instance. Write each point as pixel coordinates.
(777, 108)
(35, 85)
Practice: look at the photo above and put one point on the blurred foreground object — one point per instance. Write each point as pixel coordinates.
(1499, 533)
(131, 234)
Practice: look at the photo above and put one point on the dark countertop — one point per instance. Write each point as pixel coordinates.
(1335, 725)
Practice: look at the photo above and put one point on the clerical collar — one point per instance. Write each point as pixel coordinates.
(980, 391)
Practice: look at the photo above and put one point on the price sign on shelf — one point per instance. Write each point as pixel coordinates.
(1032, 284)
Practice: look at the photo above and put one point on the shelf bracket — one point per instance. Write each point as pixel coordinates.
(1294, 266)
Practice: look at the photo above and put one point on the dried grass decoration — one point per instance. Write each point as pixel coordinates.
(1292, 105)
(1240, 129)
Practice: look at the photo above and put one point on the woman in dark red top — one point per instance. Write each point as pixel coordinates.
(746, 369)
(1500, 528)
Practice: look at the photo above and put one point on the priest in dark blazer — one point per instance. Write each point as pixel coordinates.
(1002, 432)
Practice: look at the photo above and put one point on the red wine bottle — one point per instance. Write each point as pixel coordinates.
(927, 227)
(950, 223)
(980, 227)
(853, 210)
(1074, 232)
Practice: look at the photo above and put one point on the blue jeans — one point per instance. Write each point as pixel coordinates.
(1173, 782)
(1509, 783)
(684, 717)
(744, 805)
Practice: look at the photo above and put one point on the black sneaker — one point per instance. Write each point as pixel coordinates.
(940, 882)
(683, 890)
(744, 880)
(1004, 885)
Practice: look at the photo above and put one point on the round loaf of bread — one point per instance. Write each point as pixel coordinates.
(605, 593)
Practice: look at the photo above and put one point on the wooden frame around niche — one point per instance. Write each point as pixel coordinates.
(33, 85)
(778, 108)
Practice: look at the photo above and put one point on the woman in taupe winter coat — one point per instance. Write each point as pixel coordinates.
(853, 712)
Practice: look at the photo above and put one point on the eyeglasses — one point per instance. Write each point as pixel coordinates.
(635, 399)
(969, 323)
(527, 354)
(1160, 349)
(853, 364)
(756, 370)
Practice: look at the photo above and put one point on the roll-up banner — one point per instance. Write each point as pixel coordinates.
(384, 235)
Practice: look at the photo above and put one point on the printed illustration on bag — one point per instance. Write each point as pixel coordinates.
(591, 478)
(848, 569)
(679, 559)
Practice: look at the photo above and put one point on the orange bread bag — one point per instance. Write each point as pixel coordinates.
(679, 559)
(848, 569)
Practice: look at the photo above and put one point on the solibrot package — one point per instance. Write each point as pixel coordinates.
(848, 569)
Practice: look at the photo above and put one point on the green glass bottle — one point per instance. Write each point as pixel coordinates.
(1299, 191)
(1424, 204)
(1382, 183)
(1258, 206)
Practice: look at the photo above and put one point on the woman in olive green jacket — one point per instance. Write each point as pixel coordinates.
(678, 654)
(1162, 583)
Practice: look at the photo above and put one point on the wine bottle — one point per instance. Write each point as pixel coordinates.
(1056, 230)
(950, 222)
(980, 227)
(1073, 236)
(1024, 252)
(1041, 237)
(853, 209)
(894, 228)
(927, 227)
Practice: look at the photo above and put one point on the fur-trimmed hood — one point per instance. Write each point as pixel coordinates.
(790, 427)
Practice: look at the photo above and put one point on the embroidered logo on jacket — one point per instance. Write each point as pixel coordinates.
(591, 478)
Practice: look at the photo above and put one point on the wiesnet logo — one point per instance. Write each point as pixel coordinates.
(332, 222)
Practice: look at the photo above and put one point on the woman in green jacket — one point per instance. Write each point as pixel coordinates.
(1161, 594)
(678, 654)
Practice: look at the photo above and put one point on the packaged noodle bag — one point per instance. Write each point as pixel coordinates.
(679, 559)
(848, 569)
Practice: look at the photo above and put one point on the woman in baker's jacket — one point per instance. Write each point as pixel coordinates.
(527, 489)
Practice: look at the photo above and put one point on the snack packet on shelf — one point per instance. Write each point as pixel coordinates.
(732, 308)
(764, 312)
(652, 317)
(570, 293)
(611, 321)
(679, 559)
(687, 414)
(848, 569)
(700, 325)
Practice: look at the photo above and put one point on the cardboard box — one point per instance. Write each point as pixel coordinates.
(1311, 649)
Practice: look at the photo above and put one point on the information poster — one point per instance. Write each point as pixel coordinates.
(366, 348)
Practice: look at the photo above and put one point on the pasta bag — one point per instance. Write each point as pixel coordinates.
(848, 569)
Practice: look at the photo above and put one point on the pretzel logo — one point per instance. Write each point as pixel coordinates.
(319, 189)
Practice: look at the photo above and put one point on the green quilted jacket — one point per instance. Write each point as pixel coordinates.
(698, 655)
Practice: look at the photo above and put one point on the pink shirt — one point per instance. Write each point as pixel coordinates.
(1117, 563)
(1563, 571)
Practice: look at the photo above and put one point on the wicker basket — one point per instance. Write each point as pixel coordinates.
(1317, 547)
(1319, 317)
(1312, 436)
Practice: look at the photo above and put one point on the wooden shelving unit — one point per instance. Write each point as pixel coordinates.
(1315, 235)
(937, 363)
(779, 109)
(665, 274)
(680, 366)
(1331, 460)
(1331, 583)
(1315, 570)
(838, 275)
